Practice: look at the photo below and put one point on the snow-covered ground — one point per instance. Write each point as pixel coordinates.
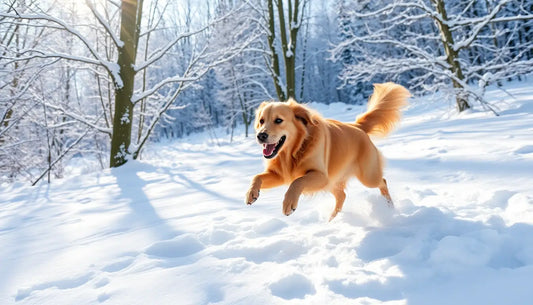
(173, 228)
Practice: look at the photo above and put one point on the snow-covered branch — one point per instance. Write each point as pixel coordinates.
(465, 43)
(78, 117)
(449, 43)
(64, 26)
(159, 53)
(118, 43)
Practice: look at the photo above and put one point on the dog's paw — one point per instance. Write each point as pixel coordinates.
(289, 212)
(333, 214)
(289, 204)
(251, 195)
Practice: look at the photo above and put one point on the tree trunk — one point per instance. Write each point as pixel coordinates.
(288, 60)
(288, 39)
(122, 122)
(288, 46)
(304, 53)
(452, 56)
(294, 27)
(276, 75)
(14, 84)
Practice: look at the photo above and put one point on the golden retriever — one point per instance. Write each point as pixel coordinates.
(312, 153)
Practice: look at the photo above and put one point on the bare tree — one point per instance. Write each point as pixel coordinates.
(435, 43)
(283, 28)
(243, 79)
(126, 90)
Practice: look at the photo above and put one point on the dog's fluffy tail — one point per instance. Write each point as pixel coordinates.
(383, 109)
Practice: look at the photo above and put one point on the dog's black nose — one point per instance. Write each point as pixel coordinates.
(262, 136)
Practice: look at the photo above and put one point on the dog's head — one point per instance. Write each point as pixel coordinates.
(282, 126)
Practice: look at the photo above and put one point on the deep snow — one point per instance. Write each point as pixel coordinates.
(174, 229)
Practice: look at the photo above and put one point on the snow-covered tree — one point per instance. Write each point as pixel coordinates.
(123, 48)
(283, 24)
(244, 79)
(431, 44)
(35, 137)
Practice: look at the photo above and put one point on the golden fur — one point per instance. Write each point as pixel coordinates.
(312, 153)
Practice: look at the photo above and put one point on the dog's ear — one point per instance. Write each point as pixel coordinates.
(258, 113)
(302, 113)
(261, 106)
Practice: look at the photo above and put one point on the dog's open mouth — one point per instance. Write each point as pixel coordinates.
(271, 150)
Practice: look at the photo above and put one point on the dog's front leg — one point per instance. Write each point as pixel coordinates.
(262, 181)
(312, 181)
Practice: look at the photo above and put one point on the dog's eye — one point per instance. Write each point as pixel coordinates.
(261, 121)
(278, 121)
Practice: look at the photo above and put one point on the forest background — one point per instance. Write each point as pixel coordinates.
(99, 79)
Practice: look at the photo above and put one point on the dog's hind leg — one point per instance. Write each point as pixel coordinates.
(385, 192)
(340, 196)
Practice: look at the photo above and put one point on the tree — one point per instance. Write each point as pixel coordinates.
(452, 53)
(31, 135)
(288, 26)
(350, 92)
(433, 43)
(243, 80)
(130, 26)
(126, 90)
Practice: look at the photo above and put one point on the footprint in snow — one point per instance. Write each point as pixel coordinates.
(180, 246)
(103, 297)
(101, 283)
(279, 251)
(220, 236)
(371, 289)
(294, 286)
(68, 283)
(119, 264)
(270, 226)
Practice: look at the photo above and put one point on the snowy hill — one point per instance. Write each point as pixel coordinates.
(174, 229)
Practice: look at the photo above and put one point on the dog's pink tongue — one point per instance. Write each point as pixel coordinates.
(268, 149)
